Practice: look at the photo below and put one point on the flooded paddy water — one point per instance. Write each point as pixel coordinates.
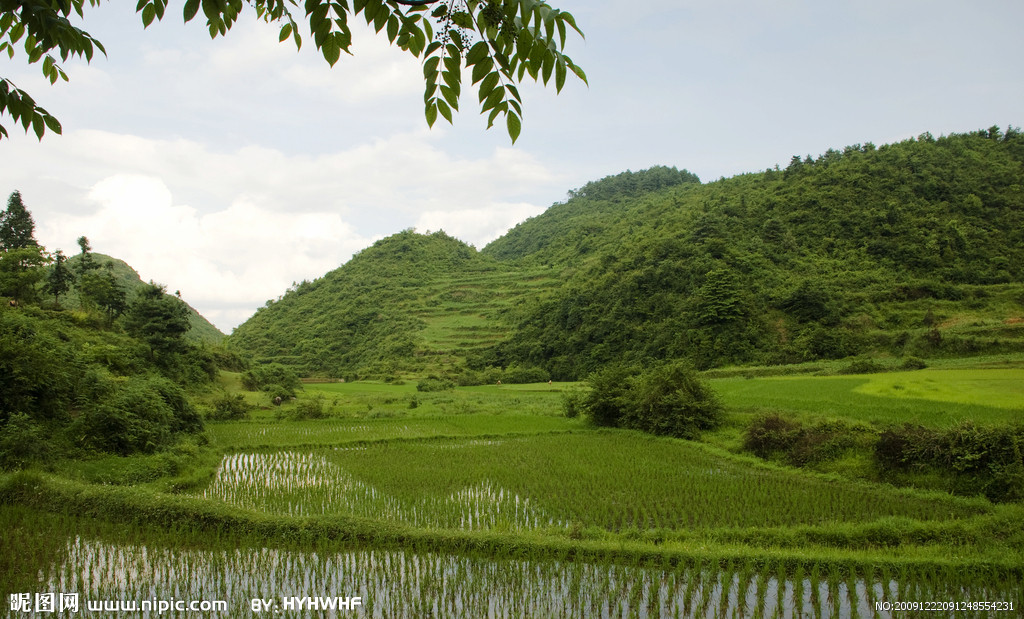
(399, 583)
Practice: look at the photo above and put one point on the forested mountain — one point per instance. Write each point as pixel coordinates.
(915, 248)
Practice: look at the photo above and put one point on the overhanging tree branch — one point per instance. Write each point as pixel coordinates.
(499, 41)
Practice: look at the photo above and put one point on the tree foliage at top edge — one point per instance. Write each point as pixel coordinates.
(496, 43)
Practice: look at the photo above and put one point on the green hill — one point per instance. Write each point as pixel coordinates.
(128, 279)
(410, 304)
(908, 249)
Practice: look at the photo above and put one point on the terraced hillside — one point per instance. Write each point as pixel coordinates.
(411, 304)
(466, 314)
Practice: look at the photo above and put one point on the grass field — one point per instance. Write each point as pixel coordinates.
(930, 397)
(486, 501)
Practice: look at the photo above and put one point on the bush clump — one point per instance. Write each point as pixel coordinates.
(312, 408)
(433, 383)
(797, 444)
(137, 414)
(668, 399)
(573, 402)
(272, 375)
(228, 406)
(975, 459)
(517, 375)
(862, 366)
(22, 442)
(913, 363)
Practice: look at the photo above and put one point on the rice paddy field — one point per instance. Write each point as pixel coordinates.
(487, 502)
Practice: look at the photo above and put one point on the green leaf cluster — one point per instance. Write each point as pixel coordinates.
(514, 38)
(39, 27)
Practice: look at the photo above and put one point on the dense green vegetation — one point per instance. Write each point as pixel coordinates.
(912, 249)
(803, 396)
(409, 305)
(103, 367)
(128, 280)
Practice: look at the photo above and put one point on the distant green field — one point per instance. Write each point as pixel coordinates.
(336, 431)
(366, 398)
(931, 397)
(990, 388)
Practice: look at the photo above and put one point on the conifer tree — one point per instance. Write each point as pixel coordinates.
(17, 230)
(159, 321)
(59, 280)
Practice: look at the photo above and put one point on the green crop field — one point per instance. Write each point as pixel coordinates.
(488, 501)
(608, 480)
(930, 397)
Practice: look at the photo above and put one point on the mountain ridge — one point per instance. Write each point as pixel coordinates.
(858, 252)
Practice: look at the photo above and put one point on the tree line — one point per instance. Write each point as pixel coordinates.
(111, 375)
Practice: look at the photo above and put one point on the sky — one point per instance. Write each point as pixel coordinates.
(228, 169)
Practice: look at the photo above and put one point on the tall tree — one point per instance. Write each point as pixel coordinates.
(86, 264)
(20, 271)
(498, 42)
(160, 321)
(100, 287)
(60, 278)
(21, 257)
(17, 230)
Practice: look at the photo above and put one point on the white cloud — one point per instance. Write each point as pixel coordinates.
(238, 256)
(231, 229)
(478, 226)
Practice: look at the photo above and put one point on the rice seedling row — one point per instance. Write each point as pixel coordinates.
(308, 484)
(392, 583)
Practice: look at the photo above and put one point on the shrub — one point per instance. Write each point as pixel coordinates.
(312, 408)
(519, 375)
(801, 445)
(913, 363)
(230, 406)
(433, 383)
(609, 394)
(261, 378)
(278, 394)
(770, 434)
(671, 400)
(470, 378)
(131, 415)
(975, 459)
(668, 399)
(573, 402)
(862, 366)
(22, 442)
